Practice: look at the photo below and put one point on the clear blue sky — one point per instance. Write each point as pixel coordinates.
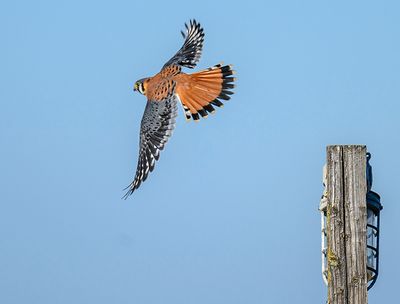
(230, 215)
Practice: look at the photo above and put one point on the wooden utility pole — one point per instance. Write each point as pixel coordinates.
(346, 216)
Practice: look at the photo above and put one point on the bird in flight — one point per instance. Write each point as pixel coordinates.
(198, 93)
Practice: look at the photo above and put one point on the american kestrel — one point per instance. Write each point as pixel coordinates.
(197, 93)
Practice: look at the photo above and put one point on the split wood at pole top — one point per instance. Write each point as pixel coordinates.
(346, 224)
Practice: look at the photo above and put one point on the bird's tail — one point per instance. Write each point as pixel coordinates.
(207, 88)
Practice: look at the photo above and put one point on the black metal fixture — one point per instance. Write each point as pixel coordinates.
(374, 208)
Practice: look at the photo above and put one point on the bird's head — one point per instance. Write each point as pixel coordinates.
(141, 86)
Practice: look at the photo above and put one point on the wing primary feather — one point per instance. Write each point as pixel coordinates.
(189, 54)
(156, 128)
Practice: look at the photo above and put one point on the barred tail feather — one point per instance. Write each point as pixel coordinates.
(206, 89)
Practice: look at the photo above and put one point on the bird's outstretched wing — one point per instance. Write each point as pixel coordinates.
(156, 128)
(190, 52)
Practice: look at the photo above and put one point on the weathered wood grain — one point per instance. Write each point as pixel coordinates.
(336, 255)
(346, 224)
(355, 191)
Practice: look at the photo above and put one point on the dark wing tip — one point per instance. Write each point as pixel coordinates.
(189, 54)
(129, 192)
